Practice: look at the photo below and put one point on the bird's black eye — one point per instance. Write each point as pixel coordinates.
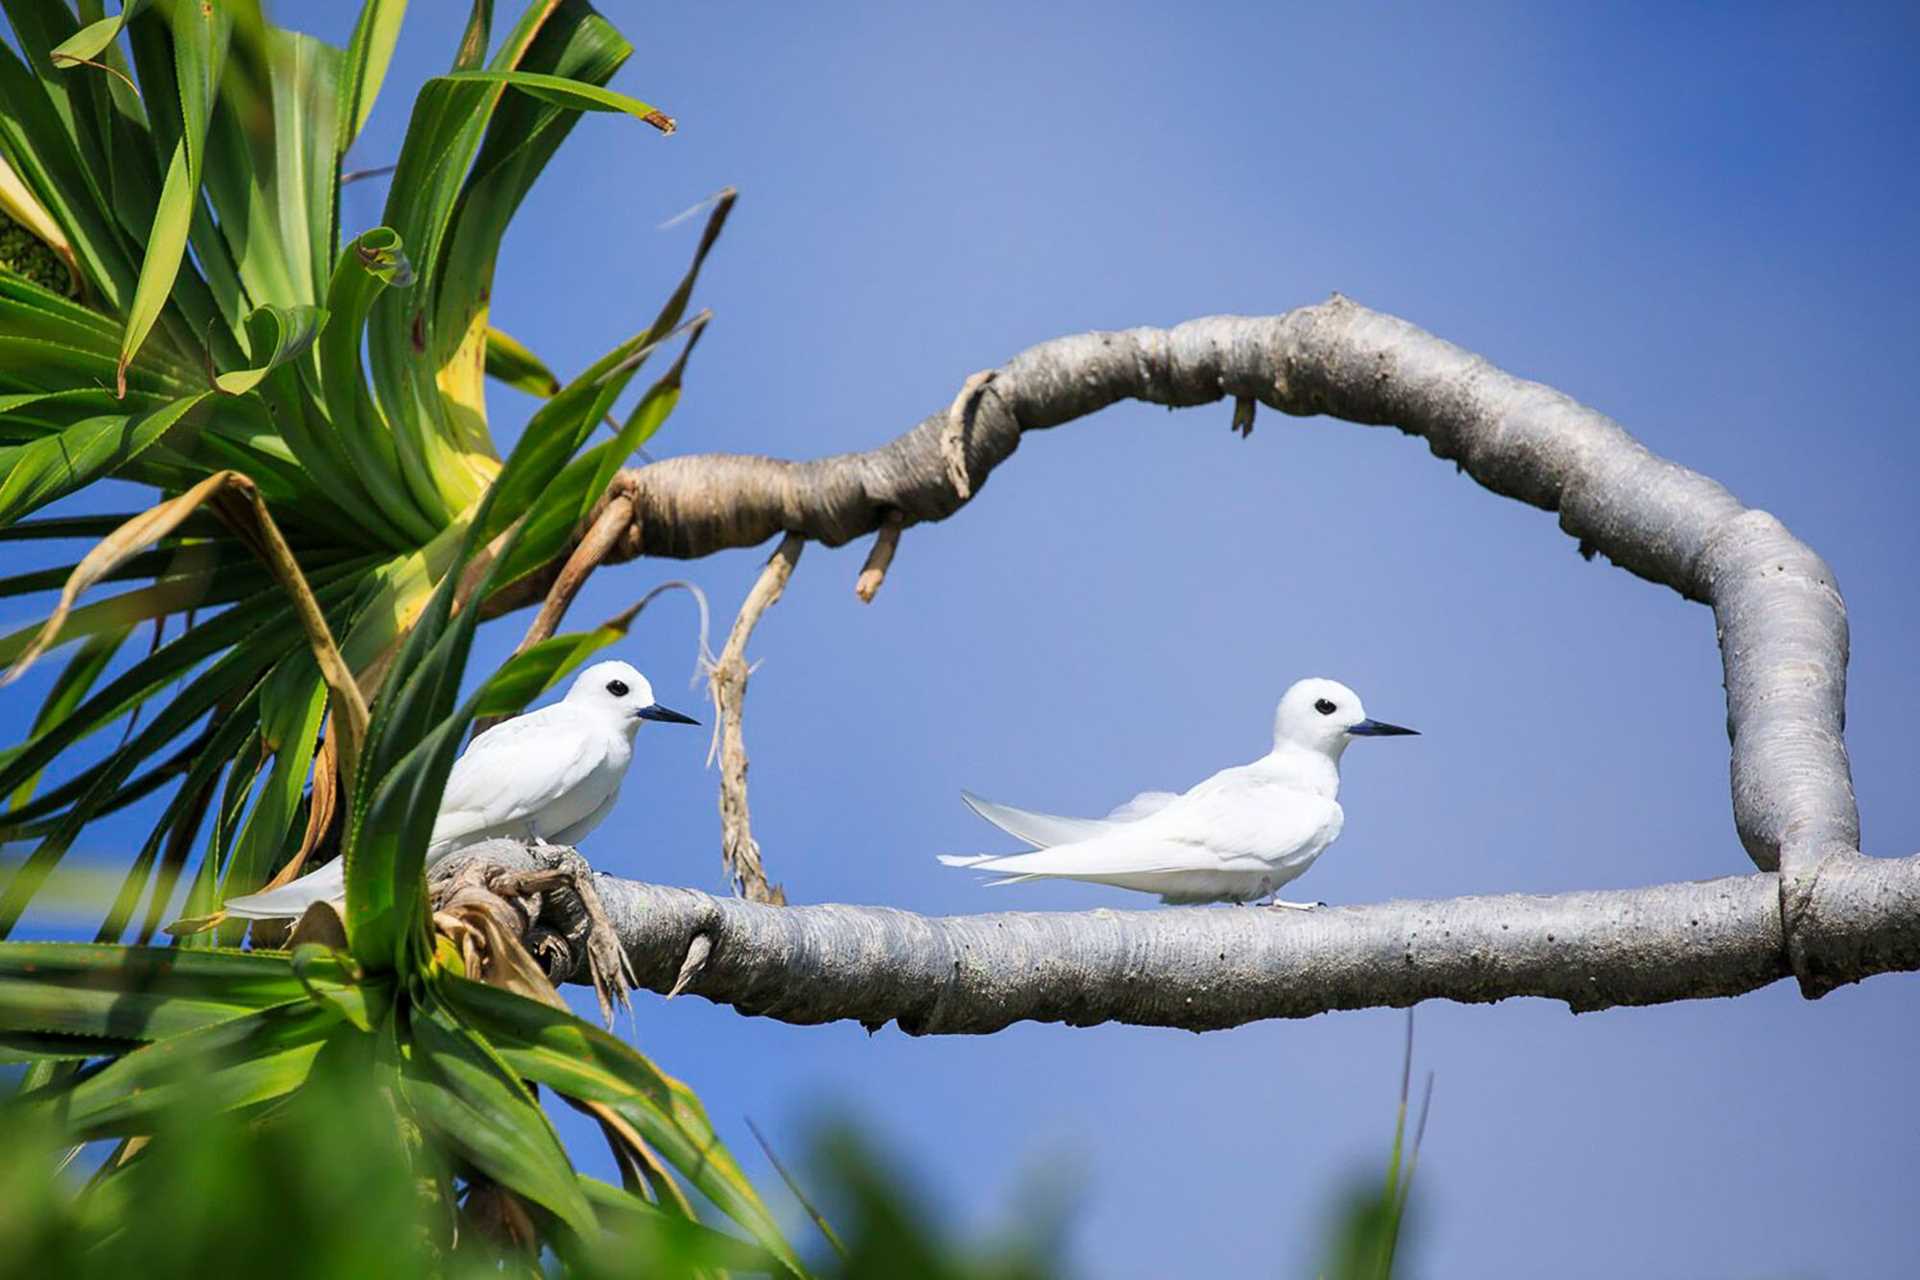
(1324, 707)
(618, 688)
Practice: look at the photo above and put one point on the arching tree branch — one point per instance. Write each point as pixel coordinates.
(1781, 621)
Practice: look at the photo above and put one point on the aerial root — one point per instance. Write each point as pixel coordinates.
(727, 682)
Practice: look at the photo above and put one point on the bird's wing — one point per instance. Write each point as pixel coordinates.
(517, 768)
(1238, 820)
(1041, 830)
(1144, 805)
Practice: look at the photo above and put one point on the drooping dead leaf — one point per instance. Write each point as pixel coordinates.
(320, 923)
(237, 500)
(641, 1171)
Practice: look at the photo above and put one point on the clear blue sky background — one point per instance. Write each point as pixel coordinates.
(1697, 219)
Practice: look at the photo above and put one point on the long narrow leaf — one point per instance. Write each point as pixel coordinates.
(289, 729)
(358, 447)
(34, 141)
(689, 1242)
(368, 53)
(278, 335)
(20, 204)
(33, 475)
(350, 710)
(73, 685)
(179, 714)
(528, 674)
(575, 1058)
(133, 993)
(571, 94)
(510, 362)
(230, 1064)
(481, 1110)
(87, 44)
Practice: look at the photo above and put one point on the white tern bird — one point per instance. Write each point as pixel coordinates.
(549, 776)
(1238, 836)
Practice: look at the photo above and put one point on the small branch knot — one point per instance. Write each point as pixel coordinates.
(953, 441)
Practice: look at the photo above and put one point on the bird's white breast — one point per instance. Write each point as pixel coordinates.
(533, 776)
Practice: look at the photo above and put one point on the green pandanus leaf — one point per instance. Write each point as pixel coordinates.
(351, 443)
(134, 993)
(200, 40)
(577, 1059)
(509, 361)
(230, 1064)
(479, 1108)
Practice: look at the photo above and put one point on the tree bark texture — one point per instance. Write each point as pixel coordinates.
(1206, 968)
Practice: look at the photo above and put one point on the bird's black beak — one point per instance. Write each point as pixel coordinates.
(658, 712)
(1379, 729)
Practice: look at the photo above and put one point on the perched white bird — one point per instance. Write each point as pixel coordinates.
(1238, 836)
(548, 776)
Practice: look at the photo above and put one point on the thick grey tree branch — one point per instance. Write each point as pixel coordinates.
(1204, 968)
(1781, 621)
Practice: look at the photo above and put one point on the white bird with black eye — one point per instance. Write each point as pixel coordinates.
(549, 776)
(1238, 836)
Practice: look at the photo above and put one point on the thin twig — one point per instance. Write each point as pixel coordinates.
(68, 60)
(885, 543)
(727, 681)
(619, 624)
(358, 175)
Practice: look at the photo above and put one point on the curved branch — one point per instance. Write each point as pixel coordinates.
(1202, 968)
(1781, 621)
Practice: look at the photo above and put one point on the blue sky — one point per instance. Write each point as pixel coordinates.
(1698, 219)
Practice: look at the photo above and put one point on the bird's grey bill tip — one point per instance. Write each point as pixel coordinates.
(1381, 729)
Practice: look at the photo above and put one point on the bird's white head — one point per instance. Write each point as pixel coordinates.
(622, 693)
(1324, 716)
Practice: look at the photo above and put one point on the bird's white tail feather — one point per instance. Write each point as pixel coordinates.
(974, 859)
(291, 900)
(1040, 830)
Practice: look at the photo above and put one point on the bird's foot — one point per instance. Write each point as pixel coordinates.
(1280, 904)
